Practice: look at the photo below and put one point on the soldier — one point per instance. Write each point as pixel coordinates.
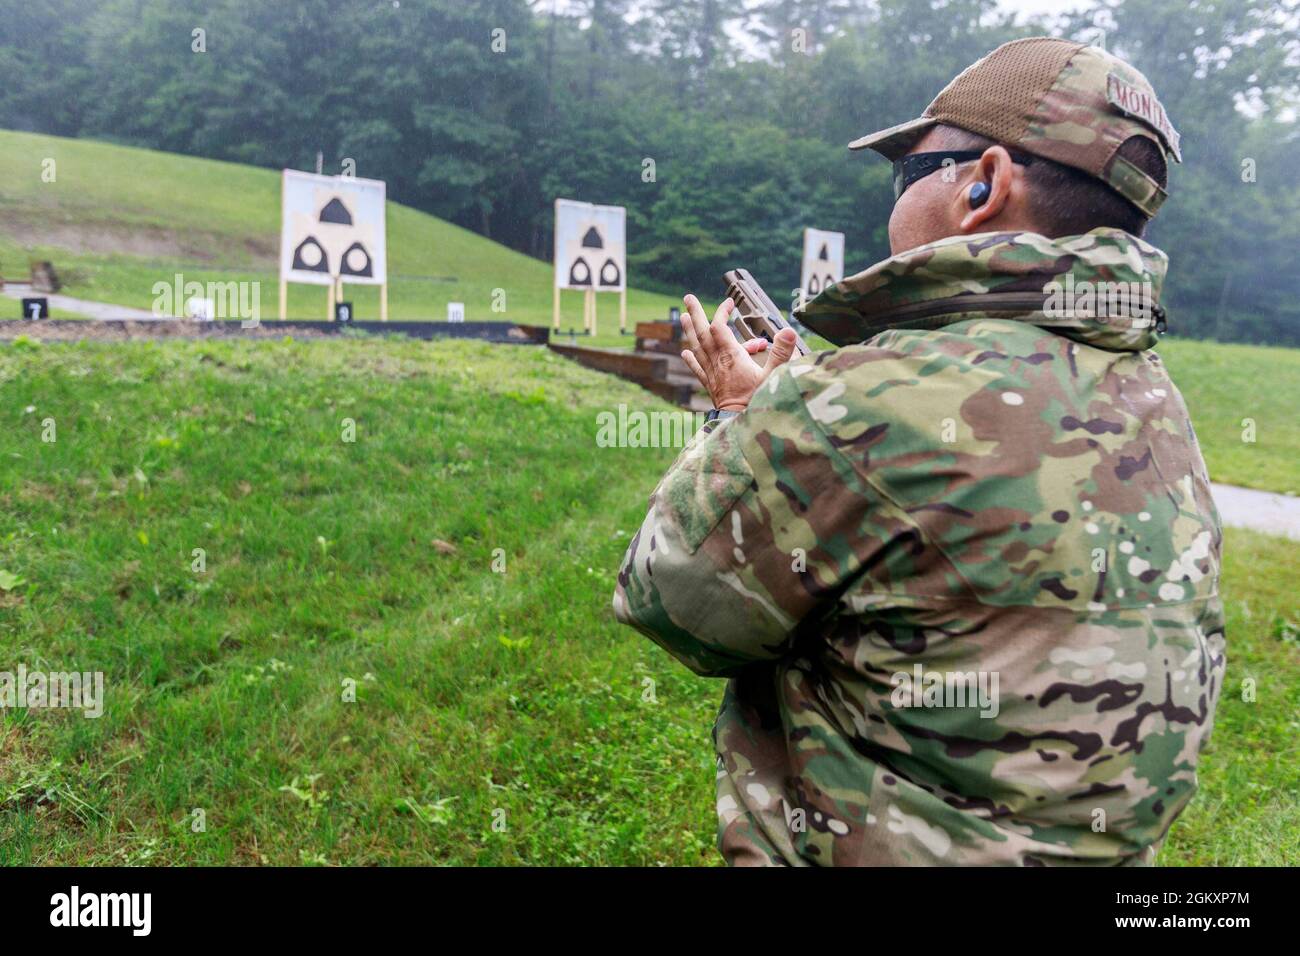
(963, 575)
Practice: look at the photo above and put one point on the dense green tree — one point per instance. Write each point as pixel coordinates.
(720, 124)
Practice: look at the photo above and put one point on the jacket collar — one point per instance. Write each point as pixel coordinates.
(1102, 288)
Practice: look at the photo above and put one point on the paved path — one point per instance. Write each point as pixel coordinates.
(1263, 511)
(91, 310)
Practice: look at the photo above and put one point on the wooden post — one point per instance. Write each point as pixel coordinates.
(555, 258)
(383, 302)
(284, 297)
(329, 309)
(591, 311)
(622, 311)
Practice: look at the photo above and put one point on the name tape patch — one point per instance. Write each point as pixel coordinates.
(1142, 105)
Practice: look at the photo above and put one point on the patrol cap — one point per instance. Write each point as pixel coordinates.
(1065, 101)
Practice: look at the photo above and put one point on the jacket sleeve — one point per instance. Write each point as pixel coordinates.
(738, 546)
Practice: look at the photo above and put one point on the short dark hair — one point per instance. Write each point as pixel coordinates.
(1068, 201)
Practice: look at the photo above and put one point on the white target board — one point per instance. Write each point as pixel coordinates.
(590, 246)
(823, 261)
(332, 228)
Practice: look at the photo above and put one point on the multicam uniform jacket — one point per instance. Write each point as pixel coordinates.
(963, 577)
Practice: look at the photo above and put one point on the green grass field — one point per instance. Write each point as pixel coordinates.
(481, 696)
(118, 219)
(477, 690)
(499, 717)
(1232, 388)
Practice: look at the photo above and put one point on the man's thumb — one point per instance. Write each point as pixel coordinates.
(781, 350)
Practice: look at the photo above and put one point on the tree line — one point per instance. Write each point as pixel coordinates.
(720, 124)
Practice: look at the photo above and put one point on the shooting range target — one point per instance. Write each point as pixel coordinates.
(332, 227)
(590, 246)
(823, 261)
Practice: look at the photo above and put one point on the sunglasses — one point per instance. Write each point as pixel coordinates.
(919, 165)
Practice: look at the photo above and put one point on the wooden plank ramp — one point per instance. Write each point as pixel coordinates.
(655, 364)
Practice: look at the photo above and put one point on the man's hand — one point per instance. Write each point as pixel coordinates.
(722, 364)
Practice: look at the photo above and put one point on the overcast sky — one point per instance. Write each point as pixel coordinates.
(1041, 6)
(1019, 6)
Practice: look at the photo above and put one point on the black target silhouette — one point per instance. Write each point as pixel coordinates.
(610, 274)
(310, 256)
(579, 272)
(815, 284)
(335, 211)
(352, 265)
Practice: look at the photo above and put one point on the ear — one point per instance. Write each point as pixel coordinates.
(995, 168)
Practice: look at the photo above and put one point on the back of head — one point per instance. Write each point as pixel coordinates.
(1098, 133)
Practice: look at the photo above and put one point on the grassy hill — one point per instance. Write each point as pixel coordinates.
(118, 219)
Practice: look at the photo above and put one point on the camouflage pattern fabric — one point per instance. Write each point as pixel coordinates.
(893, 525)
(1073, 125)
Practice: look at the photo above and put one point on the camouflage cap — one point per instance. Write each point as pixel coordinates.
(1059, 99)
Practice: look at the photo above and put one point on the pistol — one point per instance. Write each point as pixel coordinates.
(756, 315)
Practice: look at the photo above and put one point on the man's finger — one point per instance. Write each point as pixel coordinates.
(719, 327)
(699, 321)
(726, 348)
(694, 365)
(754, 346)
(688, 326)
(781, 351)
